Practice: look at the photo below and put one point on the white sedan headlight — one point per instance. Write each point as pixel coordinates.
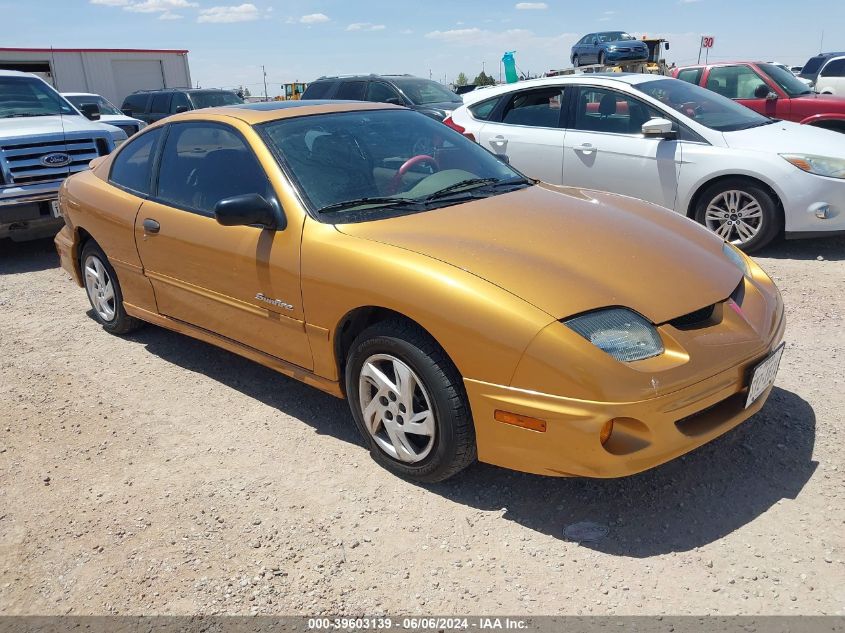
(818, 165)
(620, 332)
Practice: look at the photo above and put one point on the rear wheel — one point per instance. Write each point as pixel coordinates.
(104, 292)
(740, 212)
(576, 62)
(409, 403)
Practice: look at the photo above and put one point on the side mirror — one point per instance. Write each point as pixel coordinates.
(504, 158)
(247, 210)
(595, 42)
(659, 128)
(666, 44)
(90, 111)
(394, 101)
(764, 92)
(180, 109)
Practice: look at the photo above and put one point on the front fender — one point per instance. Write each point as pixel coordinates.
(483, 328)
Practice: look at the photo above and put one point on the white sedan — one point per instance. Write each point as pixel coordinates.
(744, 176)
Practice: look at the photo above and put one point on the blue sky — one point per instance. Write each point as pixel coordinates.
(229, 40)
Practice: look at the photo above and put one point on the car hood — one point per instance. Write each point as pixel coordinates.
(567, 251)
(32, 126)
(821, 102)
(784, 137)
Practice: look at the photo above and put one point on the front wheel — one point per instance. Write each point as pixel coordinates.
(740, 212)
(409, 403)
(104, 292)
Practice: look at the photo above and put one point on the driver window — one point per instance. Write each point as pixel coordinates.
(203, 163)
(734, 82)
(380, 92)
(604, 110)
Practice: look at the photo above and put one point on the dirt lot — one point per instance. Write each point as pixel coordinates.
(158, 474)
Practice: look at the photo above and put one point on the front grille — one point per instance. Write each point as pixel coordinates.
(693, 319)
(128, 128)
(22, 160)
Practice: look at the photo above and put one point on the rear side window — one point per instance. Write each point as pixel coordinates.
(734, 82)
(836, 68)
(161, 103)
(318, 90)
(692, 75)
(483, 110)
(380, 92)
(132, 167)
(352, 90)
(136, 103)
(535, 108)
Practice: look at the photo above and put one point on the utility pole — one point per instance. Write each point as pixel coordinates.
(265, 82)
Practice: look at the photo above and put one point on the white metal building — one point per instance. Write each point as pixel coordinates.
(111, 72)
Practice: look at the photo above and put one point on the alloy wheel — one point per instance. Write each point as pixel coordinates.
(735, 216)
(396, 408)
(100, 288)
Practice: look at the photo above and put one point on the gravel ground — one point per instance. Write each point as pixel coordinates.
(155, 474)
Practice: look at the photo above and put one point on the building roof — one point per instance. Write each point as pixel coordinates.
(179, 51)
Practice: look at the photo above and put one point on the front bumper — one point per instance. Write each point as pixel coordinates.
(26, 211)
(626, 56)
(802, 196)
(646, 433)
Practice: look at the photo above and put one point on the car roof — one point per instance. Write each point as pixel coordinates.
(603, 79)
(366, 76)
(253, 113)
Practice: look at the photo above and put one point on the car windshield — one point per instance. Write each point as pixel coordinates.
(616, 36)
(105, 106)
(788, 82)
(703, 106)
(214, 98)
(424, 91)
(812, 66)
(30, 97)
(362, 165)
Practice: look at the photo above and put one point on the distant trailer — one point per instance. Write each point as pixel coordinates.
(111, 72)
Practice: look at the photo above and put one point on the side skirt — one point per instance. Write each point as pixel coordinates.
(277, 364)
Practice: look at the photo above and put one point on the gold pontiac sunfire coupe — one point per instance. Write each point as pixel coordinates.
(463, 310)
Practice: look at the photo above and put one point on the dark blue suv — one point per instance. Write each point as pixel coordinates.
(608, 47)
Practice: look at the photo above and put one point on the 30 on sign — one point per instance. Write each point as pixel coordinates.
(707, 41)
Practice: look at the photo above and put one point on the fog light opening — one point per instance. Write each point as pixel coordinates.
(606, 431)
(821, 210)
(522, 421)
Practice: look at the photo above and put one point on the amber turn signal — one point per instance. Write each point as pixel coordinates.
(606, 430)
(522, 421)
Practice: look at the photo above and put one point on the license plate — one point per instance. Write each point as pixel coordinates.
(54, 209)
(763, 376)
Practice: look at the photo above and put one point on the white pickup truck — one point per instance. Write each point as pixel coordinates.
(43, 139)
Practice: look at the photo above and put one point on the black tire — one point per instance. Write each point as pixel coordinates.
(453, 447)
(576, 63)
(120, 322)
(771, 215)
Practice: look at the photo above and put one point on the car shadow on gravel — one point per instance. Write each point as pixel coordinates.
(829, 248)
(686, 503)
(27, 257)
(326, 414)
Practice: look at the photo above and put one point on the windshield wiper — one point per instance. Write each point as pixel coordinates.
(375, 201)
(22, 115)
(469, 183)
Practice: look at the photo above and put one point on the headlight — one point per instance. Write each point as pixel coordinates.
(818, 165)
(611, 48)
(738, 259)
(622, 333)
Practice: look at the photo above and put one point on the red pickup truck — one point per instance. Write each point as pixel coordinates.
(769, 90)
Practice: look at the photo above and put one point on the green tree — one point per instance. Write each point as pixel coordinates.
(461, 80)
(484, 80)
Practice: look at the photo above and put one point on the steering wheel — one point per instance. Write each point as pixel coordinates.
(691, 108)
(396, 182)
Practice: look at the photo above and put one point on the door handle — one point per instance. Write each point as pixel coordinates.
(586, 148)
(151, 226)
(498, 140)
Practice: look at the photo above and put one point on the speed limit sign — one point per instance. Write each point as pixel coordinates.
(707, 41)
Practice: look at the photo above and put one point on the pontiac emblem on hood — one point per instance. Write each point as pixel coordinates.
(55, 159)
